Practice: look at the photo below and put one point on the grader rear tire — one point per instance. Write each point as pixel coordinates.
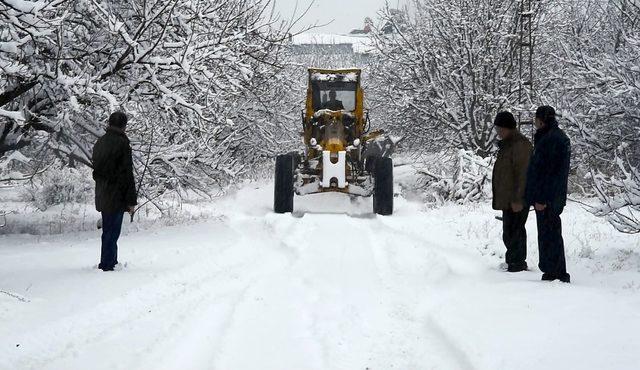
(383, 187)
(283, 187)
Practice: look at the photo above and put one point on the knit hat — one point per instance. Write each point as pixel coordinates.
(505, 119)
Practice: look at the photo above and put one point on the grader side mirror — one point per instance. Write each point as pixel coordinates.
(367, 121)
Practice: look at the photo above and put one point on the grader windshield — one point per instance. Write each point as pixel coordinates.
(345, 95)
(336, 91)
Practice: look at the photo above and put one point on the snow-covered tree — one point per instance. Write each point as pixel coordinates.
(198, 78)
(592, 73)
(447, 69)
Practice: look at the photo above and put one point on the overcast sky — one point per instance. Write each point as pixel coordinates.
(346, 14)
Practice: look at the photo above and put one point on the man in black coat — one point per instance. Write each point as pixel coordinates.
(115, 186)
(546, 190)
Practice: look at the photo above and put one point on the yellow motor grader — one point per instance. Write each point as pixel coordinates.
(340, 153)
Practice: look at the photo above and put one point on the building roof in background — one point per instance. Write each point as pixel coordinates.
(359, 43)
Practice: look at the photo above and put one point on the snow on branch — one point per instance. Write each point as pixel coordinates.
(182, 70)
(443, 75)
(591, 60)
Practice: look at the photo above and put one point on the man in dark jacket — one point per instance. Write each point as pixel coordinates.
(333, 103)
(547, 180)
(115, 186)
(509, 181)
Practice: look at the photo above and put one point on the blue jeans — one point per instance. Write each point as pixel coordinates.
(111, 227)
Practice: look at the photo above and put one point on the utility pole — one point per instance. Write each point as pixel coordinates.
(526, 92)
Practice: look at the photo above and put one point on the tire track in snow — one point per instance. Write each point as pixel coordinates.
(348, 320)
(347, 301)
(185, 290)
(207, 352)
(340, 331)
(378, 329)
(447, 344)
(272, 316)
(316, 284)
(115, 318)
(461, 261)
(193, 345)
(409, 280)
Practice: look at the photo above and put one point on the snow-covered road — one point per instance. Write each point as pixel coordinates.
(330, 287)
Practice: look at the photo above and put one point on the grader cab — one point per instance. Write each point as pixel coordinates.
(340, 154)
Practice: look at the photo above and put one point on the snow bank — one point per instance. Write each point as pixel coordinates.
(70, 217)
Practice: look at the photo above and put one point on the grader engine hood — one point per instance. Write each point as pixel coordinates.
(333, 127)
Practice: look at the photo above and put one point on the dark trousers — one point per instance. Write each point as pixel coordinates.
(514, 235)
(111, 227)
(550, 243)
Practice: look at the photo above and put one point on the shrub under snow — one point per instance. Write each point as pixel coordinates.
(60, 186)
